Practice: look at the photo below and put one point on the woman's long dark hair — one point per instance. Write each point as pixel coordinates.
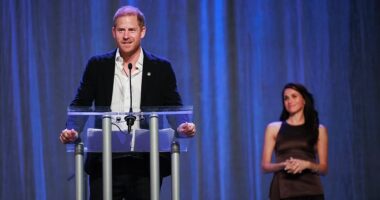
(310, 113)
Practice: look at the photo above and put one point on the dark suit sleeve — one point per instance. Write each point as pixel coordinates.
(173, 98)
(86, 91)
(84, 97)
(171, 95)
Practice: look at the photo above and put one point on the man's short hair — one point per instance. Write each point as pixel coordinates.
(130, 11)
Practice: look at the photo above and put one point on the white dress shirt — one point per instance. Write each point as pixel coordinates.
(121, 90)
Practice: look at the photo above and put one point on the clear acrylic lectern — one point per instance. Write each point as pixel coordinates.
(105, 131)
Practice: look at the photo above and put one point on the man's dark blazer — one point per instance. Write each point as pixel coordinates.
(159, 88)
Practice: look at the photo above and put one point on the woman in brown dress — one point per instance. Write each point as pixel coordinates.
(300, 146)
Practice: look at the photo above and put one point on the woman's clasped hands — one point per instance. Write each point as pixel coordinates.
(295, 166)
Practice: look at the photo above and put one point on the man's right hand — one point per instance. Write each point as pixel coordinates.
(68, 136)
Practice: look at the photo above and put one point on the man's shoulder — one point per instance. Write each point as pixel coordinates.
(155, 58)
(105, 56)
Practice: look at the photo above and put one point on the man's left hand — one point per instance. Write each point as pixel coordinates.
(186, 129)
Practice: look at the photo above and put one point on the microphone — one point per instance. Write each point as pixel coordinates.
(130, 118)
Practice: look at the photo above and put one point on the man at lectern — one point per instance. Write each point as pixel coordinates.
(105, 83)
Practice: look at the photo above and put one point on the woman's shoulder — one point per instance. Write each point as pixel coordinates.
(322, 127)
(274, 125)
(273, 128)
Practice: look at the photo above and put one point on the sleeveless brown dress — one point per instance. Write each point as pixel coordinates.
(295, 141)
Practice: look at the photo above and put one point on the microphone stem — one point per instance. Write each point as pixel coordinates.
(130, 118)
(130, 88)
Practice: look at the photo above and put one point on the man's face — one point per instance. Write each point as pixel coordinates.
(128, 34)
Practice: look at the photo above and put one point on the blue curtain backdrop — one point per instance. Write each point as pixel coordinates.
(231, 57)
